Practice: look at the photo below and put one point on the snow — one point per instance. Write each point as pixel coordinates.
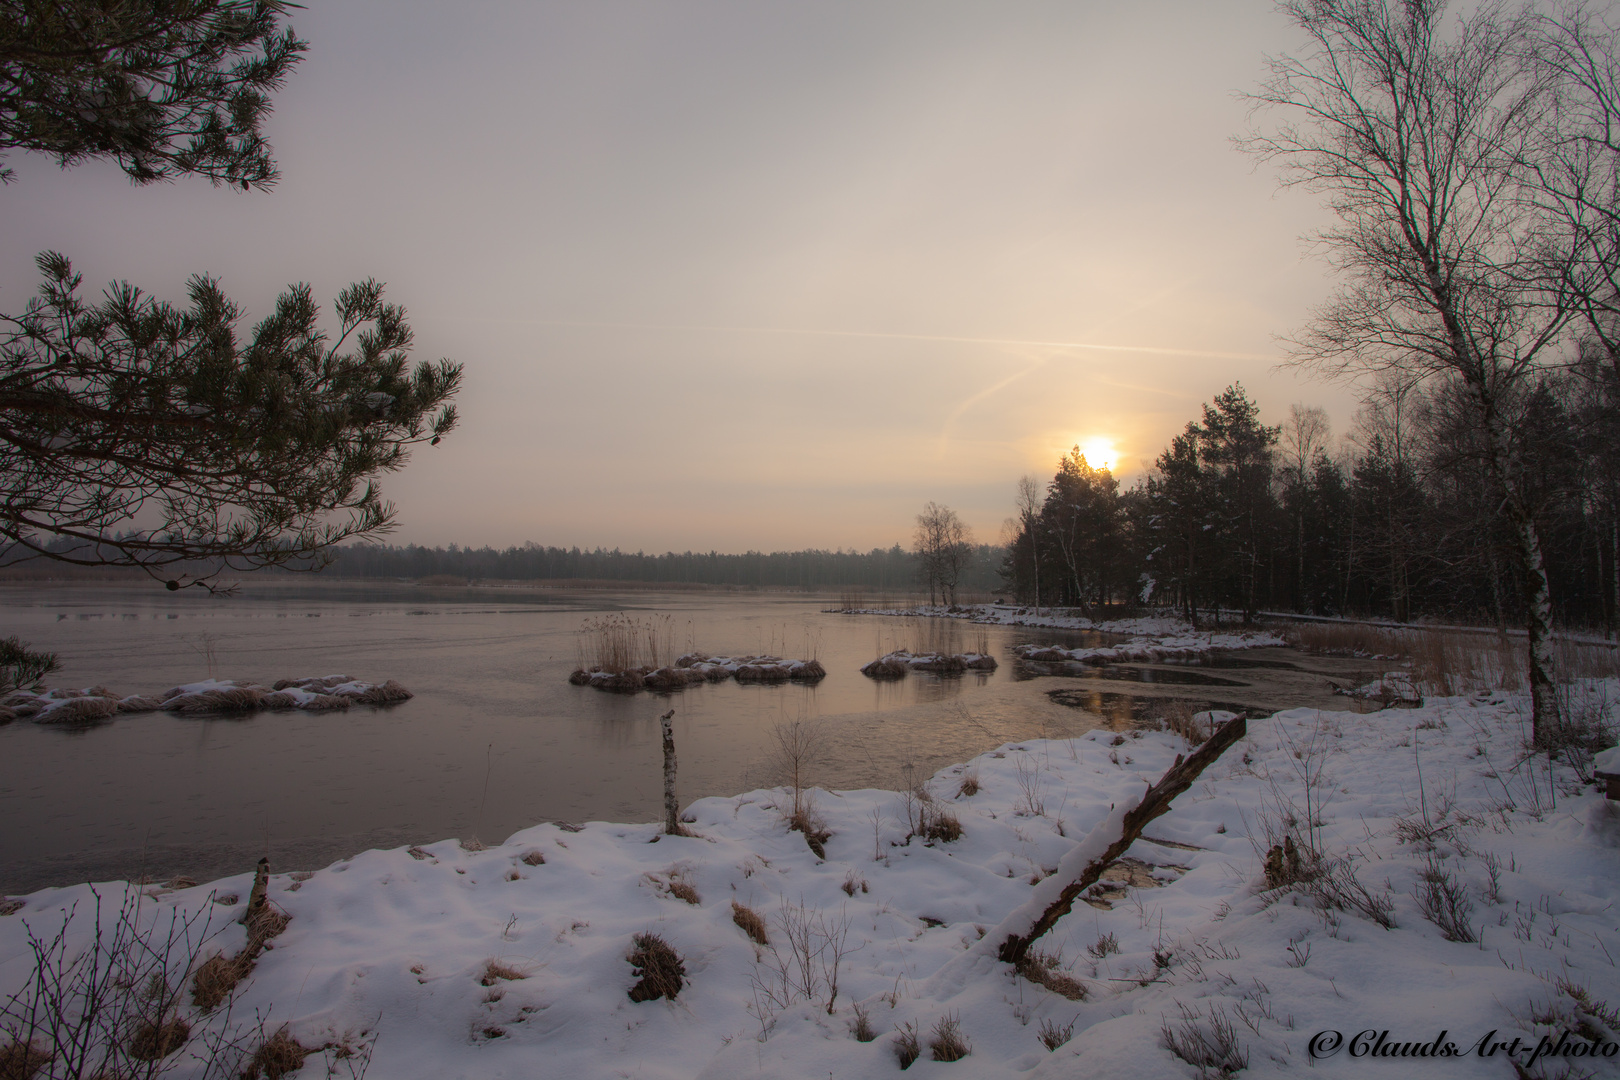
(897, 663)
(695, 668)
(90, 704)
(395, 945)
(1184, 646)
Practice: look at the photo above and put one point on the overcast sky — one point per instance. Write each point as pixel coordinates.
(756, 275)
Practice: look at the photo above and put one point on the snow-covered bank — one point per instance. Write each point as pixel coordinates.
(1429, 809)
(1156, 650)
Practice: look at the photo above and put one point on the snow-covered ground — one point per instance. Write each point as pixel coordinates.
(1430, 808)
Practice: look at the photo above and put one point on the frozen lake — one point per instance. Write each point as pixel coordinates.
(495, 739)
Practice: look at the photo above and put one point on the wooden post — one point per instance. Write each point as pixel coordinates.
(1154, 802)
(259, 898)
(672, 818)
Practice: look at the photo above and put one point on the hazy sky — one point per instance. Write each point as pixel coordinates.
(756, 275)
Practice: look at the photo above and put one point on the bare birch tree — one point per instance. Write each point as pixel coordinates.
(1417, 134)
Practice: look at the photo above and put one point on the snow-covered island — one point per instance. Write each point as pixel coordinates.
(319, 693)
(694, 668)
(897, 664)
(1335, 886)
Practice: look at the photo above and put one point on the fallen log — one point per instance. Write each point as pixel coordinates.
(1124, 825)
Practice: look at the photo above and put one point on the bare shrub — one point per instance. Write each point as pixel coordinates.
(1053, 1036)
(1335, 883)
(111, 1008)
(948, 1043)
(802, 961)
(1443, 899)
(907, 1047)
(750, 922)
(1208, 1044)
(797, 748)
(1031, 803)
(659, 970)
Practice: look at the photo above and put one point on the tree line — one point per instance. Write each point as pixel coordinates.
(1402, 520)
(878, 570)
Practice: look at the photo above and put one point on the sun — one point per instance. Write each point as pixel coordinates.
(1099, 450)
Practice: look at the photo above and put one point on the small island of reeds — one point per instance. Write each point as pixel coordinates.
(897, 664)
(626, 655)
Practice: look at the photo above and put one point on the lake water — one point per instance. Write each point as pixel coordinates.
(495, 739)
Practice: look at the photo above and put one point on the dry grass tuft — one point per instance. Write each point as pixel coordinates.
(154, 1042)
(216, 979)
(21, 1060)
(948, 1043)
(1046, 969)
(471, 843)
(495, 971)
(942, 826)
(816, 833)
(750, 922)
(658, 967)
(679, 886)
(862, 1028)
(1053, 1036)
(270, 922)
(1182, 719)
(907, 1047)
(854, 883)
(969, 786)
(277, 1056)
(534, 858)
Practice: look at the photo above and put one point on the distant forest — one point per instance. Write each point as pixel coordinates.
(880, 570)
(1402, 521)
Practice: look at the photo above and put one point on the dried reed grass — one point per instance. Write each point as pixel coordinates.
(277, 1056)
(750, 923)
(620, 642)
(154, 1042)
(495, 971)
(659, 970)
(217, 978)
(1451, 663)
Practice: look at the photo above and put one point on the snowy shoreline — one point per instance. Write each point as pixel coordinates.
(397, 945)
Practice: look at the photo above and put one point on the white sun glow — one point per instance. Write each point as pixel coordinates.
(1099, 451)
